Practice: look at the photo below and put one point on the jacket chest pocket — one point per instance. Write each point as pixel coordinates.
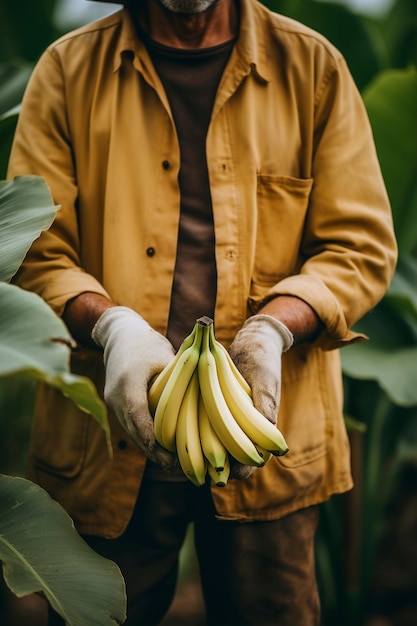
(282, 204)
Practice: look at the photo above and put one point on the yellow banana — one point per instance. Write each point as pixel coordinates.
(168, 407)
(265, 454)
(213, 449)
(214, 344)
(232, 436)
(189, 451)
(256, 426)
(219, 478)
(161, 379)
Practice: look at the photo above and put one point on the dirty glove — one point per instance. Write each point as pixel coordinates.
(133, 354)
(256, 351)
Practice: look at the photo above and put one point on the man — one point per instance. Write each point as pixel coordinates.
(210, 158)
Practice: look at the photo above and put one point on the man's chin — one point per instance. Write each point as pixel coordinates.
(188, 7)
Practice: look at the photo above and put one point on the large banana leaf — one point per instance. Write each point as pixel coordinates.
(26, 209)
(43, 553)
(390, 356)
(394, 370)
(391, 102)
(34, 342)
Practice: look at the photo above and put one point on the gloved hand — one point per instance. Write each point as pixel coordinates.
(133, 354)
(256, 351)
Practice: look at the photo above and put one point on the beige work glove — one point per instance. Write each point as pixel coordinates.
(133, 354)
(257, 351)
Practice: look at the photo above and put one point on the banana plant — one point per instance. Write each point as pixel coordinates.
(43, 553)
(380, 375)
(40, 549)
(34, 342)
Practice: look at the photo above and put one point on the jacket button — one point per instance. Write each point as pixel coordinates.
(165, 165)
(121, 444)
(150, 251)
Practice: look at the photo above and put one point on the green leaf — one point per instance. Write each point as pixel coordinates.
(8, 123)
(27, 28)
(28, 328)
(43, 553)
(352, 424)
(390, 356)
(394, 370)
(26, 209)
(34, 343)
(399, 30)
(13, 79)
(402, 291)
(391, 102)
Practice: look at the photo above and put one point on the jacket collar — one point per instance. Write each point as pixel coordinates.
(128, 40)
(250, 45)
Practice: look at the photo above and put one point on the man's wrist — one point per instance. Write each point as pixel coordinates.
(81, 314)
(298, 316)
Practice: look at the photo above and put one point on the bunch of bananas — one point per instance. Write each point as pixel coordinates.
(204, 413)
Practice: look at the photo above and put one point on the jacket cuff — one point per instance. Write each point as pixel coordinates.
(68, 284)
(314, 292)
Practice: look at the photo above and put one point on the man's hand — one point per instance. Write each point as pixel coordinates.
(256, 351)
(133, 354)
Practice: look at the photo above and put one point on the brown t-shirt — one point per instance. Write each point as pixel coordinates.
(190, 79)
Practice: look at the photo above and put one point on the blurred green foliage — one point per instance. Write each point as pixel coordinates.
(26, 29)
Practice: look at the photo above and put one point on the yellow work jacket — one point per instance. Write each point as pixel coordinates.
(299, 207)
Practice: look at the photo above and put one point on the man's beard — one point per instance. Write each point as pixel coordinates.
(189, 7)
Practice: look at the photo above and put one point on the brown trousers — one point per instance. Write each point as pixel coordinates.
(252, 574)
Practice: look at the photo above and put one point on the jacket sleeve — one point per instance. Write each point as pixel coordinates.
(42, 146)
(348, 248)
